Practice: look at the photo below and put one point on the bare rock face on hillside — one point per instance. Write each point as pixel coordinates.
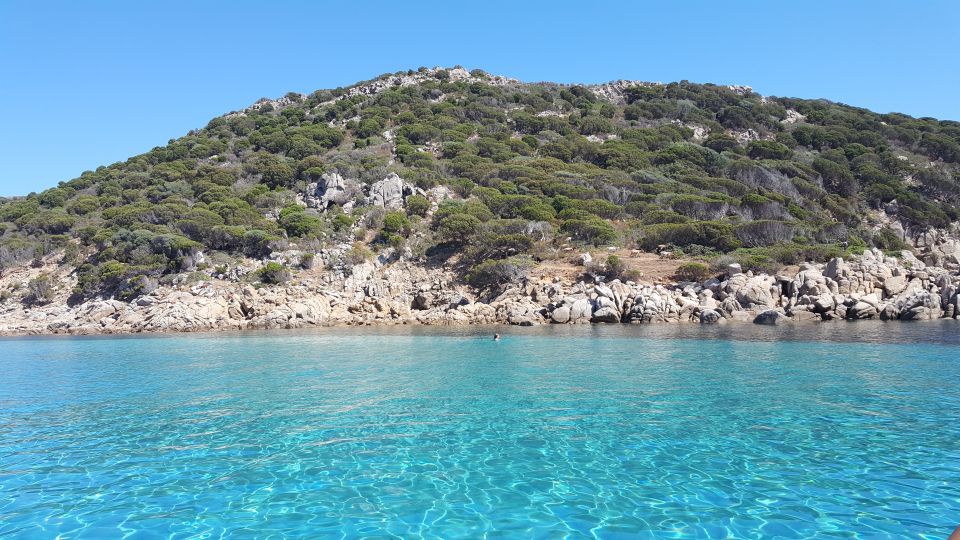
(330, 190)
(391, 192)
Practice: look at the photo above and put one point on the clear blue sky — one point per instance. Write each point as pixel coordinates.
(91, 83)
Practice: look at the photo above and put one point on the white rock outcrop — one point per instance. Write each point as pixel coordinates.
(391, 192)
(872, 286)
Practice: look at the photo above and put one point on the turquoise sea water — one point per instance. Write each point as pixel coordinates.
(832, 431)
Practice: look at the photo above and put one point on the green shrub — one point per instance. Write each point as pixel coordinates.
(136, 286)
(757, 263)
(342, 222)
(764, 233)
(494, 245)
(593, 231)
(615, 268)
(598, 207)
(458, 228)
(721, 142)
(496, 274)
(396, 222)
(48, 221)
(888, 240)
(418, 205)
(102, 278)
(771, 259)
(273, 273)
(83, 205)
(298, 223)
(41, 289)
(307, 261)
(538, 211)
(654, 217)
(358, 254)
(837, 178)
(256, 243)
(71, 254)
(768, 150)
(693, 271)
(12, 211)
(472, 207)
(713, 234)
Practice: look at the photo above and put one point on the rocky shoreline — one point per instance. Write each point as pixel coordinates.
(872, 286)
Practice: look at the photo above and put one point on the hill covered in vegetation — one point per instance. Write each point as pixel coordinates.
(493, 176)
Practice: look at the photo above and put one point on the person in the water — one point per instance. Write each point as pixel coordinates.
(496, 337)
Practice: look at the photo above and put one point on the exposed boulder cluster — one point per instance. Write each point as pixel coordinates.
(872, 286)
(391, 192)
(334, 189)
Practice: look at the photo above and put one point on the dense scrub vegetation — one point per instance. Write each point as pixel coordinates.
(702, 169)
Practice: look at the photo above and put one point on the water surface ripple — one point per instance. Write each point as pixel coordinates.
(851, 431)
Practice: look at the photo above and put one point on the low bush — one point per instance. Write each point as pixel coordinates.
(71, 254)
(41, 289)
(593, 231)
(888, 240)
(396, 222)
(615, 268)
(106, 277)
(357, 254)
(458, 228)
(493, 245)
(764, 233)
(137, 286)
(418, 205)
(307, 261)
(772, 258)
(298, 223)
(654, 217)
(693, 271)
(768, 150)
(273, 273)
(758, 262)
(713, 234)
(496, 274)
(342, 222)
